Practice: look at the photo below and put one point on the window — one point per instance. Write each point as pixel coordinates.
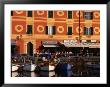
(11, 13)
(69, 14)
(88, 15)
(88, 31)
(69, 30)
(50, 30)
(29, 14)
(29, 29)
(50, 14)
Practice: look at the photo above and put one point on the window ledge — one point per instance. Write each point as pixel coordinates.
(50, 36)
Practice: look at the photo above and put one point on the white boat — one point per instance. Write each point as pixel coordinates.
(15, 68)
(48, 68)
(29, 67)
(14, 74)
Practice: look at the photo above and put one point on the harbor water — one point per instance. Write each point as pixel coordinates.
(92, 71)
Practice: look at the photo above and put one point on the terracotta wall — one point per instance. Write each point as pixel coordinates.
(39, 21)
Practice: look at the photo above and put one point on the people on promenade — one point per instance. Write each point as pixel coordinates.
(81, 66)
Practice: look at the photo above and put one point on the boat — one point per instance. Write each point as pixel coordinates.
(63, 66)
(14, 67)
(48, 68)
(14, 74)
(29, 67)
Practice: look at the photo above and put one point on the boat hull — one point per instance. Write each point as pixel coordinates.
(14, 68)
(64, 67)
(29, 67)
(48, 68)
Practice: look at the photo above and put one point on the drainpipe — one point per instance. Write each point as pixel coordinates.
(79, 26)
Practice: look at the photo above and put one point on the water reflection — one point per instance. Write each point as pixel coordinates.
(47, 74)
(92, 71)
(68, 73)
(34, 74)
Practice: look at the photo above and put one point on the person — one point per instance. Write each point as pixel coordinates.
(58, 60)
(81, 68)
(70, 52)
(44, 59)
(87, 53)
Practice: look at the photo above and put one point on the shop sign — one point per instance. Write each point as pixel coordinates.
(71, 43)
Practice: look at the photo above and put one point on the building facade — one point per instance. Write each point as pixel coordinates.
(31, 29)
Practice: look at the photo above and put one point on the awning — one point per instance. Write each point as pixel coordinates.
(90, 45)
(50, 45)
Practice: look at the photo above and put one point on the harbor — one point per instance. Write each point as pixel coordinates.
(62, 66)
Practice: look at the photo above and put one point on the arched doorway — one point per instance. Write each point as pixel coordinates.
(29, 48)
(15, 50)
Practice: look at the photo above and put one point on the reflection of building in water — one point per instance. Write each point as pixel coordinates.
(31, 29)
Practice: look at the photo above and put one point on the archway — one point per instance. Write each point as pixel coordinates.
(15, 50)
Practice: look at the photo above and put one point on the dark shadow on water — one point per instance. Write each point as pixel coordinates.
(92, 72)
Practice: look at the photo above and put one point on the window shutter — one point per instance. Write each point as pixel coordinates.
(54, 30)
(85, 15)
(69, 14)
(91, 30)
(46, 30)
(69, 30)
(11, 13)
(29, 29)
(50, 14)
(91, 15)
(29, 14)
(85, 31)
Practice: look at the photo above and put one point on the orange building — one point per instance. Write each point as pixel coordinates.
(31, 29)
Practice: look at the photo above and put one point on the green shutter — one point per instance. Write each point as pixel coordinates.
(50, 14)
(54, 30)
(85, 31)
(91, 15)
(29, 29)
(69, 14)
(69, 30)
(91, 30)
(29, 14)
(46, 30)
(11, 13)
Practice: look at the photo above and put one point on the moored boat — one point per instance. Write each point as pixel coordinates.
(48, 68)
(29, 67)
(63, 66)
(14, 67)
